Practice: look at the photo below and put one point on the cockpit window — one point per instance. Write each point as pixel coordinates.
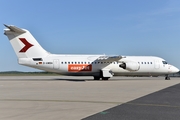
(164, 62)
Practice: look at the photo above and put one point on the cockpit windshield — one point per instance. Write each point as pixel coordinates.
(164, 62)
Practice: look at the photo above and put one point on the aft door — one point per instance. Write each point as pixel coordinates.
(56, 64)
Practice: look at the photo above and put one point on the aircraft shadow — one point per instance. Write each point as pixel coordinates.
(74, 80)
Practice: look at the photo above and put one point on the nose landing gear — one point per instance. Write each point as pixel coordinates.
(167, 77)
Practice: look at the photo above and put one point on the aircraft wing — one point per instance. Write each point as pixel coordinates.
(110, 58)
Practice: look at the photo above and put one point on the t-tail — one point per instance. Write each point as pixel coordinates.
(23, 43)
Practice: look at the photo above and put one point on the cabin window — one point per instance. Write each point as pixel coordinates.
(71, 62)
(147, 62)
(68, 62)
(151, 62)
(65, 62)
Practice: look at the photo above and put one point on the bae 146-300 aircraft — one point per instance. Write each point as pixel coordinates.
(30, 53)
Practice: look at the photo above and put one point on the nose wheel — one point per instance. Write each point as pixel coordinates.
(167, 78)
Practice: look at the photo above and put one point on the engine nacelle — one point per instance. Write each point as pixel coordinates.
(131, 66)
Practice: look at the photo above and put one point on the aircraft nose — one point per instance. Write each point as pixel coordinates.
(174, 69)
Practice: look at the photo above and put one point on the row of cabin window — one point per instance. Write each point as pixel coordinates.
(145, 62)
(99, 62)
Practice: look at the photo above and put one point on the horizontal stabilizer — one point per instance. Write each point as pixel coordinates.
(14, 29)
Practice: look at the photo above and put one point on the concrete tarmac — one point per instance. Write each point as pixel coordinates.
(70, 98)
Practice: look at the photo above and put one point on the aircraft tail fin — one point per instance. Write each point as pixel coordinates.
(23, 43)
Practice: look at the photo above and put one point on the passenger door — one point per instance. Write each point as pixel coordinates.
(156, 64)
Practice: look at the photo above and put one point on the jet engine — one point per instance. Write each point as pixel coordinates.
(131, 66)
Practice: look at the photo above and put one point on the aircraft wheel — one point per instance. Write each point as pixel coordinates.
(96, 78)
(167, 78)
(105, 78)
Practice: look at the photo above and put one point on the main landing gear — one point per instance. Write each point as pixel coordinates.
(105, 74)
(167, 77)
(103, 78)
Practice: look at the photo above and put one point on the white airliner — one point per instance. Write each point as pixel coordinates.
(30, 53)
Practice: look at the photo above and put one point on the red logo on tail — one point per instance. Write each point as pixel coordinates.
(26, 43)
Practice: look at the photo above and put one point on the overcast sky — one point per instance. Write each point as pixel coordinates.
(118, 27)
